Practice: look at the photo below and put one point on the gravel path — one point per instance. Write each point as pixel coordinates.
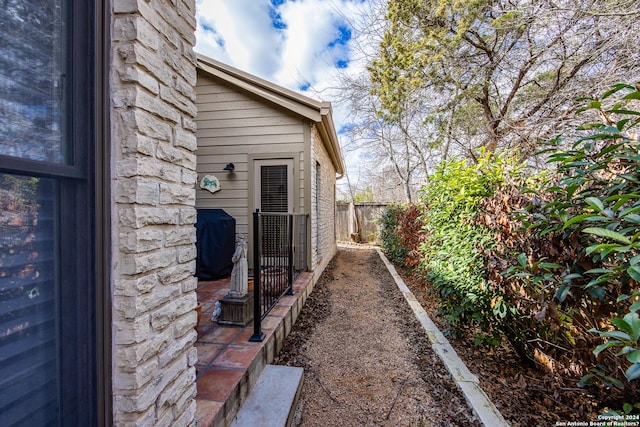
(367, 360)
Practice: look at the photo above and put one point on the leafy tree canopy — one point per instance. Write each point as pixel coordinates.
(501, 73)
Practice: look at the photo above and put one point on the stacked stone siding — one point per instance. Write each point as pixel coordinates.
(152, 78)
(324, 247)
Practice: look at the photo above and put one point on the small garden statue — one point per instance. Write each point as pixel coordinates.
(236, 308)
(216, 313)
(240, 272)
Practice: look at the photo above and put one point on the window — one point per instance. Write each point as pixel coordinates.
(273, 188)
(47, 279)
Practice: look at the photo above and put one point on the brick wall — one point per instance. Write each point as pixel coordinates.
(323, 243)
(152, 77)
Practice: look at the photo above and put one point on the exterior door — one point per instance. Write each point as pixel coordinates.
(273, 189)
(274, 195)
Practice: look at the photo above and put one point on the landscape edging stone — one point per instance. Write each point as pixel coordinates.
(468, 383)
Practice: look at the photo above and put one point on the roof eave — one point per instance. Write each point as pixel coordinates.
(316, 111)
(328, 133)
(286, 98)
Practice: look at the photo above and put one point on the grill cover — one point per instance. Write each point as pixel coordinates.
(216, 242)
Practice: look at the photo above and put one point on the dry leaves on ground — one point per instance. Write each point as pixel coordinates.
(525, 396)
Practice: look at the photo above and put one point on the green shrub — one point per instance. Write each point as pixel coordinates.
(598, 200)
(520, 264)
(390, 234)
(550, 261)
(452, 254)
(585, 272)
(401, 234)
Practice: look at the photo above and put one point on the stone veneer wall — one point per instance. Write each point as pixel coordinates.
(152, 78)
(327, 220)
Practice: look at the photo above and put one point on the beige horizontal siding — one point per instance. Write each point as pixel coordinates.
(224, 97)
(230, 105)
(251, 131)
(214, 160)
(232, 125)
(230, 203)
(251, 113)
(205, 86)
(255, 145)
(247, 122)
(229, 194)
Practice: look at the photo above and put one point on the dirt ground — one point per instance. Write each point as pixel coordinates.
(367, 360)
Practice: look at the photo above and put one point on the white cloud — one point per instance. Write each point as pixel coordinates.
(240, 33)
(298, 44)
(316, 41)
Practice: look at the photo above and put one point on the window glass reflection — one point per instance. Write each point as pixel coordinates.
(29, 366)
(32, 80)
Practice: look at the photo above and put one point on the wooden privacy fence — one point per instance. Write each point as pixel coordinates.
(359, 222)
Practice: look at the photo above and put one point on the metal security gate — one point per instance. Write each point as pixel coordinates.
(279, 245)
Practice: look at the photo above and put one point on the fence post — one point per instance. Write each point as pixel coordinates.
(258, 335)
(290, 255)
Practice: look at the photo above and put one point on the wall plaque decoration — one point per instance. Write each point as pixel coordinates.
(210, 183)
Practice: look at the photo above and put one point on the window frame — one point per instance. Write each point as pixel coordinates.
(82, 220)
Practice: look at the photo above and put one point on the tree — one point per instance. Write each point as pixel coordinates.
(398, 154)
(364, 196)
(501, 73)
(396, 150)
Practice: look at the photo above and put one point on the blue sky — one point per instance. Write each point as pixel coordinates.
(304, 45)
(299, 44)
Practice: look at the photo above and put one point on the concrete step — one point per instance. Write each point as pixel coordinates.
(273, 400)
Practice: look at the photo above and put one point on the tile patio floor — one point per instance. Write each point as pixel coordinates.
(228, 363)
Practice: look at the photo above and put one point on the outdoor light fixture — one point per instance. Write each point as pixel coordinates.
(230, 167)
